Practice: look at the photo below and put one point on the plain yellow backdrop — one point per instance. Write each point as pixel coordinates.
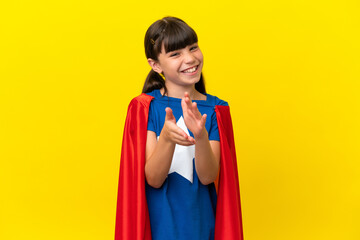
(289, 70)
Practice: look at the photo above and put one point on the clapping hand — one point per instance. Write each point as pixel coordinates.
(173, 132)
(194, 121)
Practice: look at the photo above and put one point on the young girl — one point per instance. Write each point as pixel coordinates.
(178, 141)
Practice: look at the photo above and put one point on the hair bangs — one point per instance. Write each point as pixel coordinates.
(178, 37)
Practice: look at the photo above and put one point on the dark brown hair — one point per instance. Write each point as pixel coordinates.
(175, 34)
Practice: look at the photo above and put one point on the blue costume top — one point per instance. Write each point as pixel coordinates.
(182, 208)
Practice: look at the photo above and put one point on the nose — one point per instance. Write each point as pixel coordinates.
(189, 57)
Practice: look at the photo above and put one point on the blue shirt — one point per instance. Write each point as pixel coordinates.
(182, 208)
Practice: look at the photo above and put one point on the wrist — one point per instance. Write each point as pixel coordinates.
(202, 135)
(165, 137)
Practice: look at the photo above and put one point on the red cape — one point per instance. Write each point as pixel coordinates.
(132, 216)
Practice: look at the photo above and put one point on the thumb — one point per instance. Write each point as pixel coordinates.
(169, 114)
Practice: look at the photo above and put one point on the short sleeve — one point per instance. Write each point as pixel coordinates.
(151, 125)
(214, 131)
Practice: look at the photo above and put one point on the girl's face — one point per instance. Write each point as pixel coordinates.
(182, 67)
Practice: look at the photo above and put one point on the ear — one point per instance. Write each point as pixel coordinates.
(155, 65)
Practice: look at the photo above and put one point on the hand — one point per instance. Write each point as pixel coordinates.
(173, 132)
(194, 121)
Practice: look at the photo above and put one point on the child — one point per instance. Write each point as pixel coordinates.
(178, 141)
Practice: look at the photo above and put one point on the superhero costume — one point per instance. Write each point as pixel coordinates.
(132, 218)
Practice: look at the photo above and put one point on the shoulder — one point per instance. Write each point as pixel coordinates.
(215, 101)
(143, 100)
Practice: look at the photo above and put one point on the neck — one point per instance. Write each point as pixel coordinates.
(179, 91)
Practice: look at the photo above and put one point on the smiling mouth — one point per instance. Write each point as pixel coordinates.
(191, 70)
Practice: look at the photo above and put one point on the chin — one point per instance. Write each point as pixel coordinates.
(196, 79)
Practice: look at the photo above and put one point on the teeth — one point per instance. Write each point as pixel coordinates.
(191, 70)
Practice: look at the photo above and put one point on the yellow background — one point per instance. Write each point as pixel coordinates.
(289, 69)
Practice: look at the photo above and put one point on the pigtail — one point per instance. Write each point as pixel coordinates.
(153, 81)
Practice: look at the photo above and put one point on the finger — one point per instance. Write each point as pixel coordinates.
(187, 95)
(186, 109)
(183, 141)
(192, 111)
(180, 137)
(188, 101)
(187, 98)
(182, 133)
(194, 106)
(191, 139)
(203, 120)
(195, 109)
(175, 130)
(169, 114)
(185, 103)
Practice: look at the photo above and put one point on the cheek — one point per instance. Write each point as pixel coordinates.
(173, 67)
(200, 56)
(170, 70)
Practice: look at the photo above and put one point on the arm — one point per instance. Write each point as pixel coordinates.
(159, 153)
(207, 153)
(207, 158)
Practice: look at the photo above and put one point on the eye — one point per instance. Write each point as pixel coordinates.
(174, 54)
(194, 48)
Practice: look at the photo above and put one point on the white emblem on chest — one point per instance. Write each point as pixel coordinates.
(182, 161)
